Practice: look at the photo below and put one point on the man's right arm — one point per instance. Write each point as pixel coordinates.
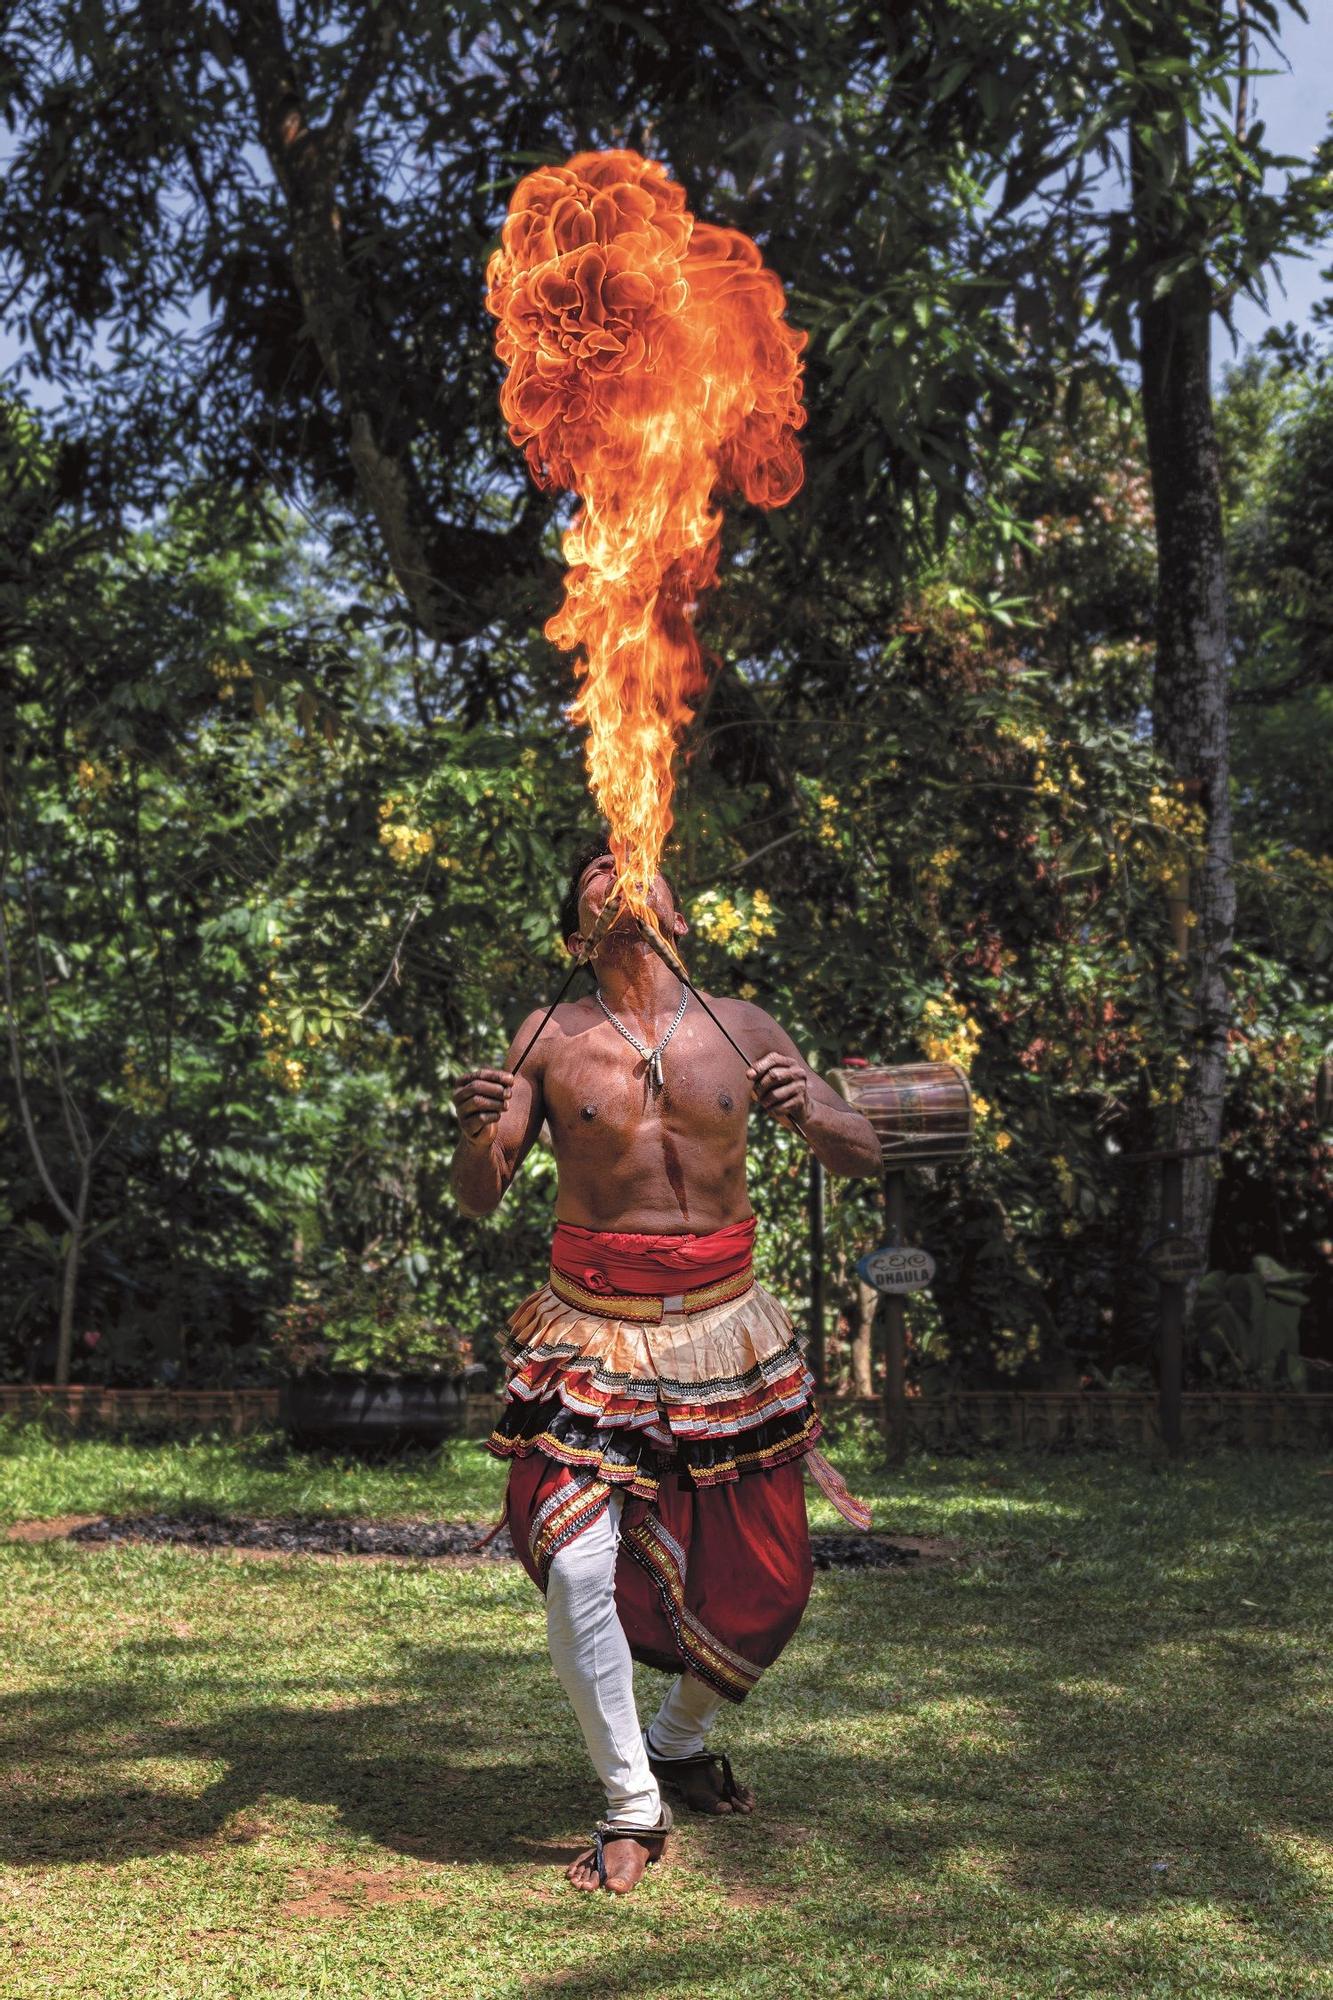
(499, 1116)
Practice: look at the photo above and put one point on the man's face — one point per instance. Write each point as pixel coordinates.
(595, 885)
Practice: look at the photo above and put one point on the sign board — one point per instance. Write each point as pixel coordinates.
(902, 1270)
(1173, 1259)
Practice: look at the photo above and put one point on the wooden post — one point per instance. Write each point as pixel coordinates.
(1172, 1306)
(817, 1356)
(1171, 1299)
(893, 1312)
(1172, 1276)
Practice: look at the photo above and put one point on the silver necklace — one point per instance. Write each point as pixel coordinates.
(653, 1057)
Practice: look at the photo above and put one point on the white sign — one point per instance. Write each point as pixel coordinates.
(903, 1270)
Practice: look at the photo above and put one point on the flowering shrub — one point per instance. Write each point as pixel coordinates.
(736, 923)
(361, 1322)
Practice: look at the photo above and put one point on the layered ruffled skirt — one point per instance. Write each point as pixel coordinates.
(711, 1393)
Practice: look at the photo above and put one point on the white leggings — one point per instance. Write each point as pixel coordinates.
(591, 1657)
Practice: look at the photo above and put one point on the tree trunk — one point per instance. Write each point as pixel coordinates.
(82, 1151)
(1190, 681)
(863, 1377)
(455, 578)
(70, 1279)
(835, 1344)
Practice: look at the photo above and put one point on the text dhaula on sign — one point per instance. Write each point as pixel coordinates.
(900, 1270)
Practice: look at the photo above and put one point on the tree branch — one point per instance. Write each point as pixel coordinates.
(457, 580)
(377, 46)
(1316, 674)
(58, 1201)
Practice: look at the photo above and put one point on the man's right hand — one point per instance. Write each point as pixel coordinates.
(479, 1099)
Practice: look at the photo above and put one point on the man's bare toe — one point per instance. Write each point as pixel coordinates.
(624, 1860)
(582, 1872)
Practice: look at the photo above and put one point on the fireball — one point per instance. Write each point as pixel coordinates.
(651, 372)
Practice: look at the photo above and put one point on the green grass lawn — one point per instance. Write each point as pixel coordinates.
(1093, 1761)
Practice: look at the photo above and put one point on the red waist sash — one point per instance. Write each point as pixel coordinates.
(610, 1260)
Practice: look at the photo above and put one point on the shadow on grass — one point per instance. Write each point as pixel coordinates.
(1043, 1743)
(356, 1759)
(1098, 1747)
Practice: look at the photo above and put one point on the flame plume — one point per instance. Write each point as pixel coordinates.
(651, 372)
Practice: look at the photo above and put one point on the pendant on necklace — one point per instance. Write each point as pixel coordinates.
(655, 1069)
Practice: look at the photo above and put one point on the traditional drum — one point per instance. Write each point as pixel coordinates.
(922, 1112)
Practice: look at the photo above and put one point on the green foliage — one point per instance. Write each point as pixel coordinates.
(290, 852)
(1248, 1326)
(923, 178)
(295, 943)
(1277, 438)
(364, 1323)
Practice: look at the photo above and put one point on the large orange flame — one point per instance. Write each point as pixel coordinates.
(651, 372)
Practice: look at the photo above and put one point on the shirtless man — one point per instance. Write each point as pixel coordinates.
(659, 1412)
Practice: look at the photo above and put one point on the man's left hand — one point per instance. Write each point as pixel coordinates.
(782, 1085)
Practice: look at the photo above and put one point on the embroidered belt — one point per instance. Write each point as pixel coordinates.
(632, 1305)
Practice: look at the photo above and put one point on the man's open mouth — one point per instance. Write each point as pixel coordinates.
(622, 918)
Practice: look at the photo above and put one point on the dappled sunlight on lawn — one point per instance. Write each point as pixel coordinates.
(1016, 1777)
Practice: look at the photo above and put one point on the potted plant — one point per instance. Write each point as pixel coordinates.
(363, 1368)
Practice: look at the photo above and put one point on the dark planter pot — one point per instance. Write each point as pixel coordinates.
(373, 1413)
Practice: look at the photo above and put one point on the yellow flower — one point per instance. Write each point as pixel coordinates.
(405, 842)
(1004, 1140)
(94, 777)
(952, 1035)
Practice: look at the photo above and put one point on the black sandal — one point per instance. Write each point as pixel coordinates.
(665, 1769)
(603, 1832)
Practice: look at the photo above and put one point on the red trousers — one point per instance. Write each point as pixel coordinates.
(712, 1578)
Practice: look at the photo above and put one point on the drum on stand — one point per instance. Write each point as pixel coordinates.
(923, 1116)
(922, 1112)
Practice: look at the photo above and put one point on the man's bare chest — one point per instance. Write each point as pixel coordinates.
(598, 1089)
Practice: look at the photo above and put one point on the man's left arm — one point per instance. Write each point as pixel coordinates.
(785, 1085)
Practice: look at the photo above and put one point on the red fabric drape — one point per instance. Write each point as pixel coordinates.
(608, 1260)
(730, 1609)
